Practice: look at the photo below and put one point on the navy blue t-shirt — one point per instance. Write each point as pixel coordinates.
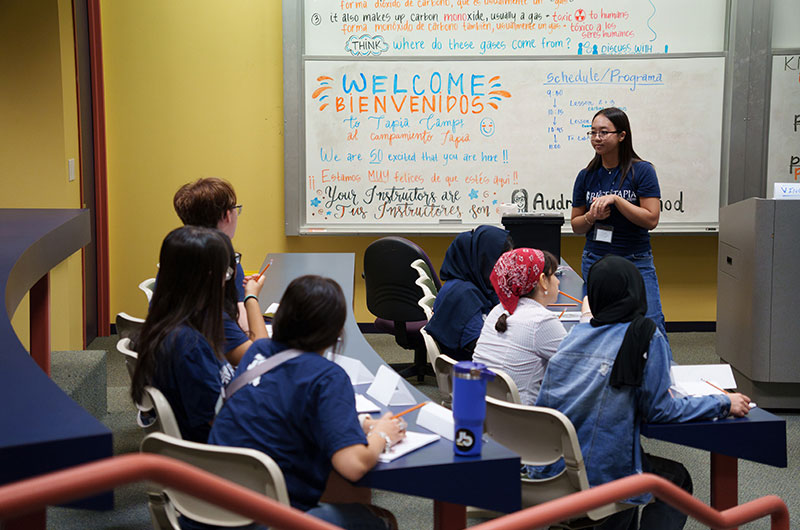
(239, 279)
(190, 376)
(628, 238)
(299, 413)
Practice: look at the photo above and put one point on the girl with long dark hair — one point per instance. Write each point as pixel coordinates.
(616, 202)
(181, 343)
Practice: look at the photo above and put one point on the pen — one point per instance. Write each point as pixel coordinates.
(265, 270)
(412, 409)
(562, 313)
(715, 386)
(561, 305)
(570, 297)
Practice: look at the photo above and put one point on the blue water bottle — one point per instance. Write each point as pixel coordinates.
(469, 406)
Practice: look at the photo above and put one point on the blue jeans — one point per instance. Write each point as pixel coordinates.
(643, 262)
(348, 516)
(351, 516)
(658, 515)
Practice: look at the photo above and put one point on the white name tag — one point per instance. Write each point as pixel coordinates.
(603, 233)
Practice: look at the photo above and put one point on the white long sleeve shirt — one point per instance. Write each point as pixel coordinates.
(523, 350)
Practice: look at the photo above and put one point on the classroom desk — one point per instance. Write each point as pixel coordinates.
(759, 437)
(490, 481)
(41, 428)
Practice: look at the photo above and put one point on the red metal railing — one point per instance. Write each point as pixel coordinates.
(543, 515)
(26, 496)
(30, 495)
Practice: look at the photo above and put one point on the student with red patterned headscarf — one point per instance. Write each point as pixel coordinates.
(520, 334)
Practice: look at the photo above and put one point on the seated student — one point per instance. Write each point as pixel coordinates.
(180, 343)
(520, 335)
(467, 295)
(302, 411)
(211, 202)
(613, 373)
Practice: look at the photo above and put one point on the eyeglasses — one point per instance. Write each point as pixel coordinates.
(229, 274)
(238, 209)
(237, 257)
(601, 134)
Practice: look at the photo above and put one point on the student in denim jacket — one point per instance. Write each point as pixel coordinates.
(616, 202)
(612, 374)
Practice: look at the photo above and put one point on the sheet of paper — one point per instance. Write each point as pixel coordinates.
(389, 388)
(270, 312)
(365, 405)
(269, 330)
(358, 373)
(438, 419)
(571, 316)
(693, 380)
(412, 442)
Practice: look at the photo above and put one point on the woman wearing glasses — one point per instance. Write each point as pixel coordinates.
(616, 202)
(182, 342)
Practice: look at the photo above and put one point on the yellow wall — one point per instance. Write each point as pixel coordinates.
(38, 134)
(194, 88)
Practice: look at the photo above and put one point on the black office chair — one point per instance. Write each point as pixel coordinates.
(393, 297)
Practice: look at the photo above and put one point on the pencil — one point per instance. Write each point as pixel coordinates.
(570, 297)
(412, 409)
(562, 313)
(715, 386)
(265, 270)
(561, 305)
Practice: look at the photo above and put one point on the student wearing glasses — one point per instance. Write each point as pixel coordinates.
(211, 202)
(616, 202)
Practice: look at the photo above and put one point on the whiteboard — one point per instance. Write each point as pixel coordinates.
(784, 122)
(785, 24)
(477, 131)
(486, 28)
(427, 115)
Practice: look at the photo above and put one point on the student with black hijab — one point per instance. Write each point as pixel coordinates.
(467, 295)
(610, 375)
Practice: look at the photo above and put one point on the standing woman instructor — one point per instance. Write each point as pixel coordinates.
(616, 202)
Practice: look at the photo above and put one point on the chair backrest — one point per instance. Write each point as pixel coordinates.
(131, 357)
(426, 303)
(391, 291)
(442, 379)
(425, 277)
(165, 421)
(503, 387)
(127, 326)
(542, 436)
(443, 368)
(148, 286)
(246, 467)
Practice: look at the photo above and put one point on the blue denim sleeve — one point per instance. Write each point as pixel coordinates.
(657, 404)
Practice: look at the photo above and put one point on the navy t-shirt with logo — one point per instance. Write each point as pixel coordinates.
(628, 238)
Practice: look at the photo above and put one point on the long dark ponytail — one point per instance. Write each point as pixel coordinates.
(193, 264)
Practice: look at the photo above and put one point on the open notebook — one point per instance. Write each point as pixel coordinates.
(412, 442)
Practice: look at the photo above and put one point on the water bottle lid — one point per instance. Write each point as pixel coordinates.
(472, 370)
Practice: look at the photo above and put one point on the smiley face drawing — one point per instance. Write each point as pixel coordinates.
(487, 126)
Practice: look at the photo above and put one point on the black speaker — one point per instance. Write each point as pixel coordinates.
(536, 230)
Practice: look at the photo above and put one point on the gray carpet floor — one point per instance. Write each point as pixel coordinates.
(755, 480)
